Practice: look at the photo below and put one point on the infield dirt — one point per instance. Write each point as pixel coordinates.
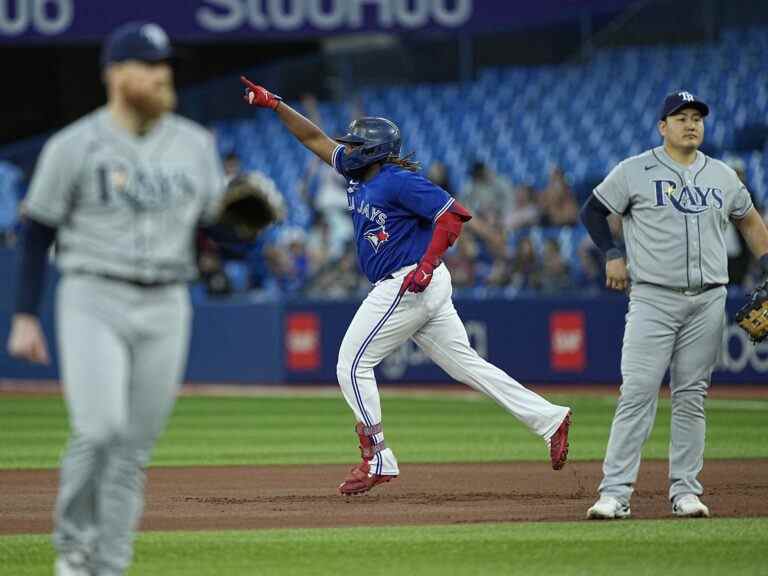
(214, 498)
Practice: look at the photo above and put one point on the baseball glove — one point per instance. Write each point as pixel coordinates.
(250, 204)
(753, 316)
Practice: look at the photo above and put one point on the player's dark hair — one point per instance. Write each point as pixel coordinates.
(405, 162)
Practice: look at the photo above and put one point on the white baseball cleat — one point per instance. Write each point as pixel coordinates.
(71, 565)
(608, 508)
(689, 506)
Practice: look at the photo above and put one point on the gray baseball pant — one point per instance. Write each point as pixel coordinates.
(664, 328)
(123, 351)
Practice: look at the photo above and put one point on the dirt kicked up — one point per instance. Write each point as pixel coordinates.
(252, 498)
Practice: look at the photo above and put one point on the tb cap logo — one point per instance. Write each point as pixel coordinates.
(155, 35)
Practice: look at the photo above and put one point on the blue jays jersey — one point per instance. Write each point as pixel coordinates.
(393, 214)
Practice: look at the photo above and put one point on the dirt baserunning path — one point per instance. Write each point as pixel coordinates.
(215, 498)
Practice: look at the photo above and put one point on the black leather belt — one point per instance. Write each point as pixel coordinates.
(131, 281)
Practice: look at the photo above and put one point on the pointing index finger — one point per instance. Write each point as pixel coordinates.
(248, 83)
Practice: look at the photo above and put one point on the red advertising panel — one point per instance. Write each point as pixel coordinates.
(302, 341)
(567, 341)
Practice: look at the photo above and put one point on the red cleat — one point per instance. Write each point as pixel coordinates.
(360, 480)
(558, 444)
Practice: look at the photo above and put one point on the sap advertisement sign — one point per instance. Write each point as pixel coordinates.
(740, 355)
(258, 20)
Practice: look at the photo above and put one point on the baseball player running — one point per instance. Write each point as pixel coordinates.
(403, 224)
(122, 191)
(675, 203)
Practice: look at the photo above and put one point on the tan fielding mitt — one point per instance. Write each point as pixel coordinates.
(753, 316)
(250, 204)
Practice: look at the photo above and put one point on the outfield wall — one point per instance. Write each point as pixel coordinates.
(543, 339)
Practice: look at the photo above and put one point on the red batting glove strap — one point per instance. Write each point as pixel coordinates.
(418, 279)
(257, 95)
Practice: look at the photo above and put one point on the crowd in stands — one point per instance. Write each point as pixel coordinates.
(520, 241)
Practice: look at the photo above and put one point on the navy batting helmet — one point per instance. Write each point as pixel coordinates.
(374, 139)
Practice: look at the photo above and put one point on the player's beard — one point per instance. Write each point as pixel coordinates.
(151, 101)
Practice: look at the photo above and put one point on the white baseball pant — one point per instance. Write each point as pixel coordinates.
(386, 319)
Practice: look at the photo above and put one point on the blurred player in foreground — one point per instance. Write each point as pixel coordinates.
(122, 192)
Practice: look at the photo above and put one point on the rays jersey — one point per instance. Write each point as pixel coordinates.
(675, 217)
(393, 214)
(127, 206)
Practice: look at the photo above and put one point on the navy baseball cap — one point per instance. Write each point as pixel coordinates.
(143, 41)
(676, 101)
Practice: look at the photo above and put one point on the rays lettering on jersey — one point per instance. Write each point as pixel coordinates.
(688, 200)
(143, 190)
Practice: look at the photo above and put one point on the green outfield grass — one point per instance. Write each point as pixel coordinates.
(681, 548)
(429, 428)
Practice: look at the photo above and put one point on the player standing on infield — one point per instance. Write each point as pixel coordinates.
(675, 204)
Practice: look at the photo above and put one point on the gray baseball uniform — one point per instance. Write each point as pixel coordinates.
(126, 209)
(674, 218)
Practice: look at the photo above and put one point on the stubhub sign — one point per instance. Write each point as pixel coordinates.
(262, 20)
(189, 19)
(264, 15)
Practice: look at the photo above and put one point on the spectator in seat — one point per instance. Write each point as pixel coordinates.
(554, 277)
(557, 201)
(338, 278)
(289, 261)
(461, 261)
(438, 174)
(320, 245)
(212, 274)
(524, 266)
(589, 275)
(329, 199)
(527, 213)
(487, 193)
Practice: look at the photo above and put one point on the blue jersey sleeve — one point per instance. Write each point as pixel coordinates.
(423, 198)
(336, 159)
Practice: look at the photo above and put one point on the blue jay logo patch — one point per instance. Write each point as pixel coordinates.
(377, 237)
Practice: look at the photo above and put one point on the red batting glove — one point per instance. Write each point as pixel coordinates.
(418, 279)
(257, 95)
